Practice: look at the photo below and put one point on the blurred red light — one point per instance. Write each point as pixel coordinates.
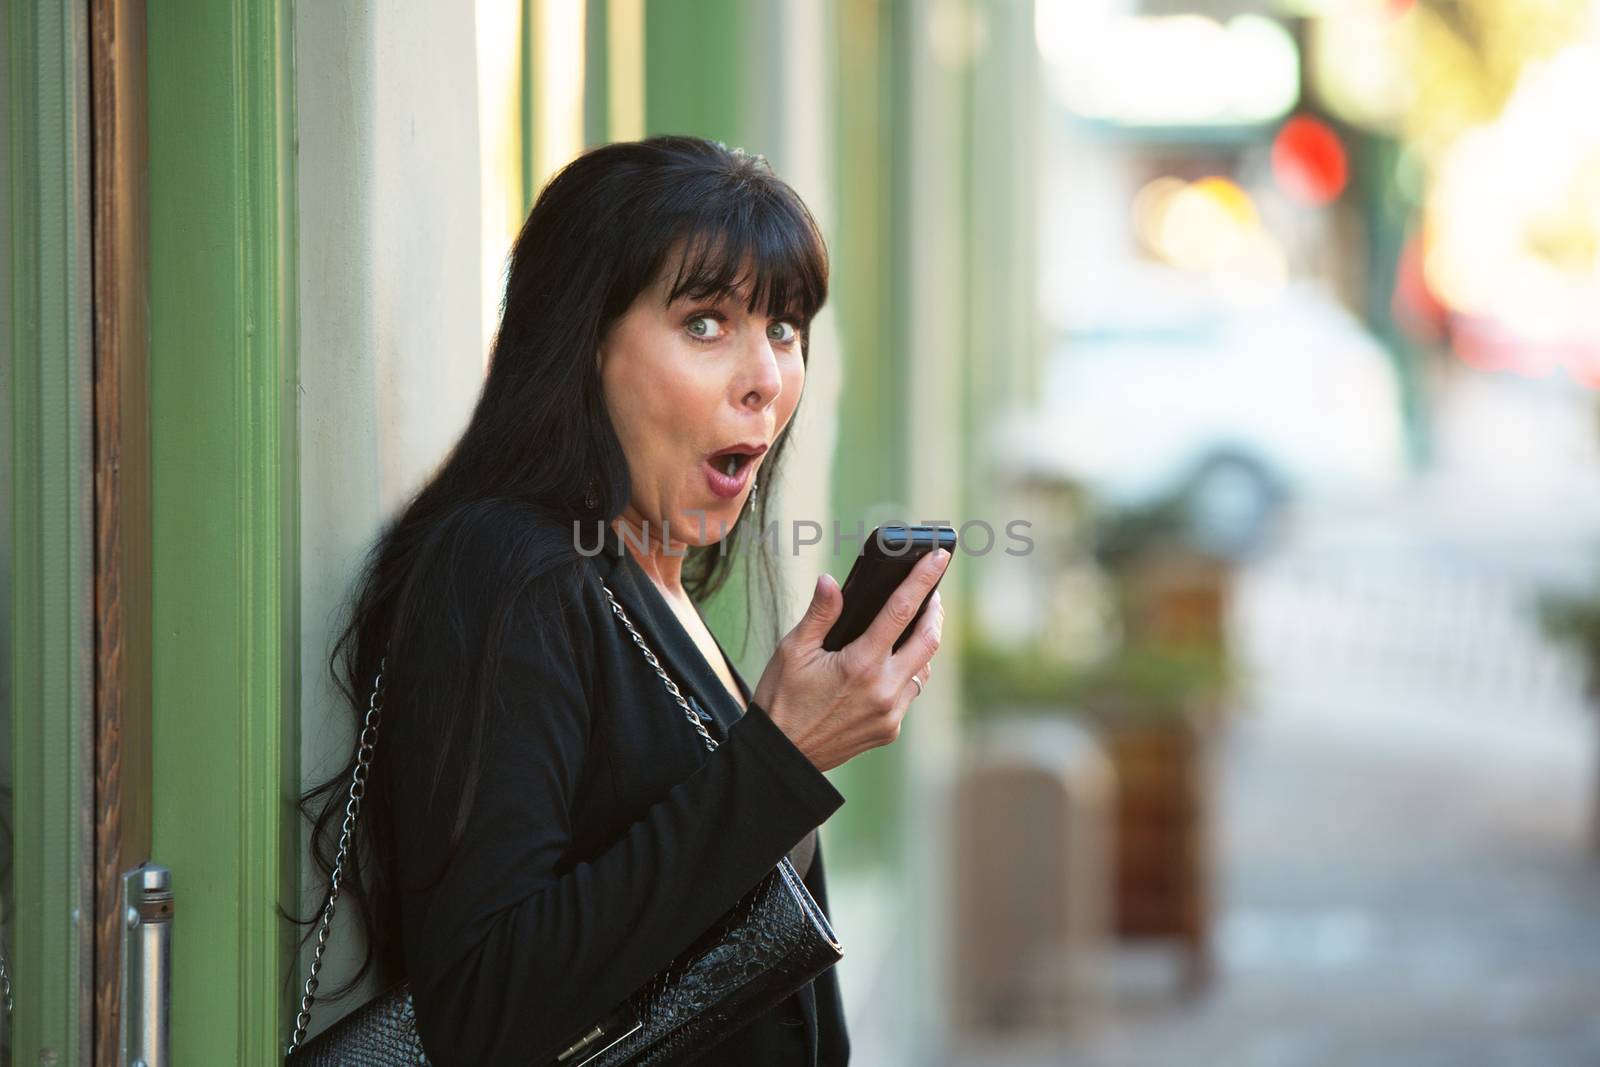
(1309, 162)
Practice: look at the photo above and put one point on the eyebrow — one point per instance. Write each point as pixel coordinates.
(714, 298)
(793, 315)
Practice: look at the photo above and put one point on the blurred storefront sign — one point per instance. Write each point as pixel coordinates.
(1168, 70)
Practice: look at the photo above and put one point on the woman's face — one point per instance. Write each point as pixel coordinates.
(686, 382)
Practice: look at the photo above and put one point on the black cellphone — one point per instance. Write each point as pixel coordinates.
(887, 556)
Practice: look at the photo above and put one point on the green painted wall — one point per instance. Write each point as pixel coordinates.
(222, 418)
(698, 75)
(869, 289)
(704, 76)
(698, 70)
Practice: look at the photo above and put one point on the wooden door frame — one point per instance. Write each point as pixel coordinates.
(122, 727)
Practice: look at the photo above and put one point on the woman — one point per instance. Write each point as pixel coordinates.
(544, 831)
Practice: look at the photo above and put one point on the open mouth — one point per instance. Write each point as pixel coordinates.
(728, 469)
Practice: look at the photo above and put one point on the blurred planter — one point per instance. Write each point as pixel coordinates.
(1163, 838)
(1152, 705)
(1574, 620)
(1178, 598)
(1179, 602)
(1032, 817)
(1172, 589)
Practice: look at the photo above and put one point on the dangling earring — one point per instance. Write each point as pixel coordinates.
(754, 485)
(591, 496)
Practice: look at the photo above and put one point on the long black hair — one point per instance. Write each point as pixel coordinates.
(599, 234)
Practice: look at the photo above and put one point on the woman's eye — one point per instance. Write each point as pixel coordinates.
(776, 332)
(704, 328)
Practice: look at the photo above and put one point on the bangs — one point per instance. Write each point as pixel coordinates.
(781, 248)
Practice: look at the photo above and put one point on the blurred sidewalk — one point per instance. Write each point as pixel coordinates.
(1381, 904)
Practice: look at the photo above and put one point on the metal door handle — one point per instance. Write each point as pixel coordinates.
(146, 966)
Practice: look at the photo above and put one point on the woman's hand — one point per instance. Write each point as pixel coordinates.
(836, 705)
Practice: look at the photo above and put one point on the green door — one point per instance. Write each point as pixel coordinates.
(46, 547)
(182, 679)
(224, 570)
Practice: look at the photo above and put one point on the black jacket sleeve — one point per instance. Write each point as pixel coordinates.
(510, 955)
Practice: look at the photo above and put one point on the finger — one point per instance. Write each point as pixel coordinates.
(917, 652)
(901, 607)
(826, 603)
(910, 692)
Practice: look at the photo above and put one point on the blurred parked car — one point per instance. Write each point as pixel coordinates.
(1230, 411)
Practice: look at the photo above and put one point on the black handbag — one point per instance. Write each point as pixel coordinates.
(774, 940)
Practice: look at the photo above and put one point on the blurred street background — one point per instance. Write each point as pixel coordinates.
(1252, 346)
(1320, 285)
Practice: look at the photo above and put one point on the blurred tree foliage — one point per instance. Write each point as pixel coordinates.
(1141, 676)
(1144, 678)
(1574, 620)
(1123, 536)
(1465, 57)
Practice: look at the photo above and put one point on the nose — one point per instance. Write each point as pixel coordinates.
(759, 381)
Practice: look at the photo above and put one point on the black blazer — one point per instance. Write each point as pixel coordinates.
(603, 836)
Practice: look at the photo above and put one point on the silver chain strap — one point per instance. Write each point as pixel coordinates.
(672, 686)
(358, 789)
